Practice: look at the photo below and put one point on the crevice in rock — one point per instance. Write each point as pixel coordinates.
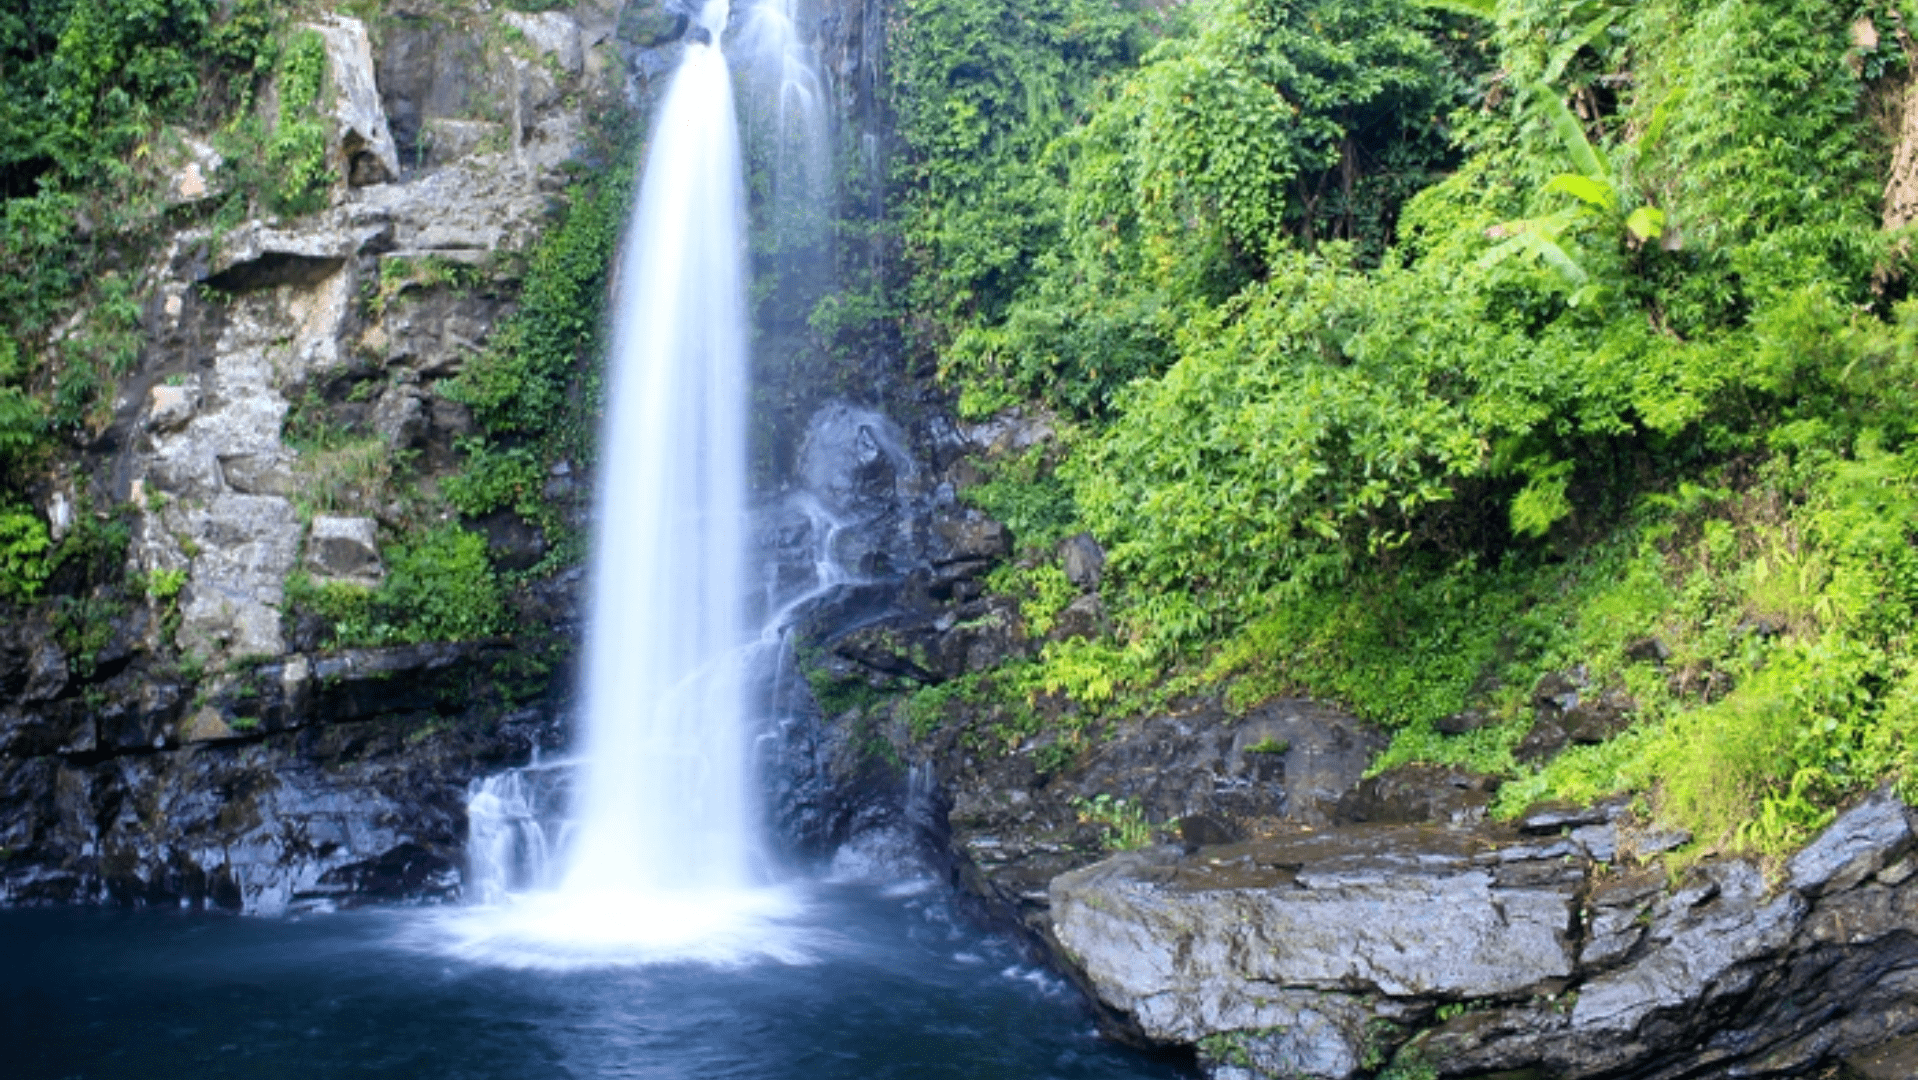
(272, 269)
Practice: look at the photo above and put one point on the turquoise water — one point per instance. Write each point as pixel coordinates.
(891, 986)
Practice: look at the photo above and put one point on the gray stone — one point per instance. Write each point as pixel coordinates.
(1461, 722)
(651, 25)
(966, 535)
(1083, 560)
(444, 140)
(553, 33)
(1009, 433)
(336, 792)
(1607, 947)
(1085, 617)
(1650, 650)
(1159, 937)
(1644, 844)
(1594, 720)
(1281, 1032)
(1559, 690)
(1545, 739)
(1693, 952)
(1416, 793)
(231, 605)
(400, 417)
(170, 407)
(363, 151)
(1225, 947)
(32, 667)
(1554, 817)
(1599, 840)
(258, 474)
(192, 166)
(1862, 841)
(345, 549)
(855, 461)
(256, 255)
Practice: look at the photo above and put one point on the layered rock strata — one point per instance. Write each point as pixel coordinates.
(1471, 950)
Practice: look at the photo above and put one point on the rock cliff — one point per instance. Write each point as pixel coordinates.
(196, 745)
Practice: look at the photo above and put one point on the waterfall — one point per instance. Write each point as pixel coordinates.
(659, 856)
(663, 803)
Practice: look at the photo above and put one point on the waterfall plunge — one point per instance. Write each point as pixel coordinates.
(660, 853)
(662, 803)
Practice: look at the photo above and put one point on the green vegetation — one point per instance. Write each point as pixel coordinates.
(535, 400)
(1123, 820)
(523, 385)
(296, 153)
(1404, 356)
(92, 96)
(23, 548)
(439, 587)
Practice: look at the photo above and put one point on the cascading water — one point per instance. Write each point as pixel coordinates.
(660, 856)
(662, 805)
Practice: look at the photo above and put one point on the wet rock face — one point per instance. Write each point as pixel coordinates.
(335, 779)
(1478, 949)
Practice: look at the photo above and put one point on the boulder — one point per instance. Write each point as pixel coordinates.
(1462, 722)
(1477, 950)
(32, 666)
(192, 167)
(1008, 433)
(363, 150)
(1417, 793)
(854, 460)
(345, 549)
(400, 417)
(1860, 843)
(443, 139)
(256, 255)
(169, 407)
(265, 473)
(1084, 560)
(1193, 946)
(1595, 719)
(964, 535)
(1085, 617)
(552, 33)
(245, 545)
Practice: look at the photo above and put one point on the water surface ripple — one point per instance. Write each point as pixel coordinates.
(892, 986)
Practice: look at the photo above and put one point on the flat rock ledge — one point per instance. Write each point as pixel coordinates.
(1433, 950)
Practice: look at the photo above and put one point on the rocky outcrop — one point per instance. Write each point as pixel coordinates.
(1292, 917)
(325, 779)
(271, 314)
(362, 151)
(1475, 950)
(167, 733)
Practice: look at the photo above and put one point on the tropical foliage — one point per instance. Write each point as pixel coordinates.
(1415, 351)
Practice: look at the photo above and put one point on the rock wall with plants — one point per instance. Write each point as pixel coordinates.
(298, 396)
(1374, 421)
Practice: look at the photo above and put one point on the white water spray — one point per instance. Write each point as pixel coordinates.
(660, 854)
(662, 806)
